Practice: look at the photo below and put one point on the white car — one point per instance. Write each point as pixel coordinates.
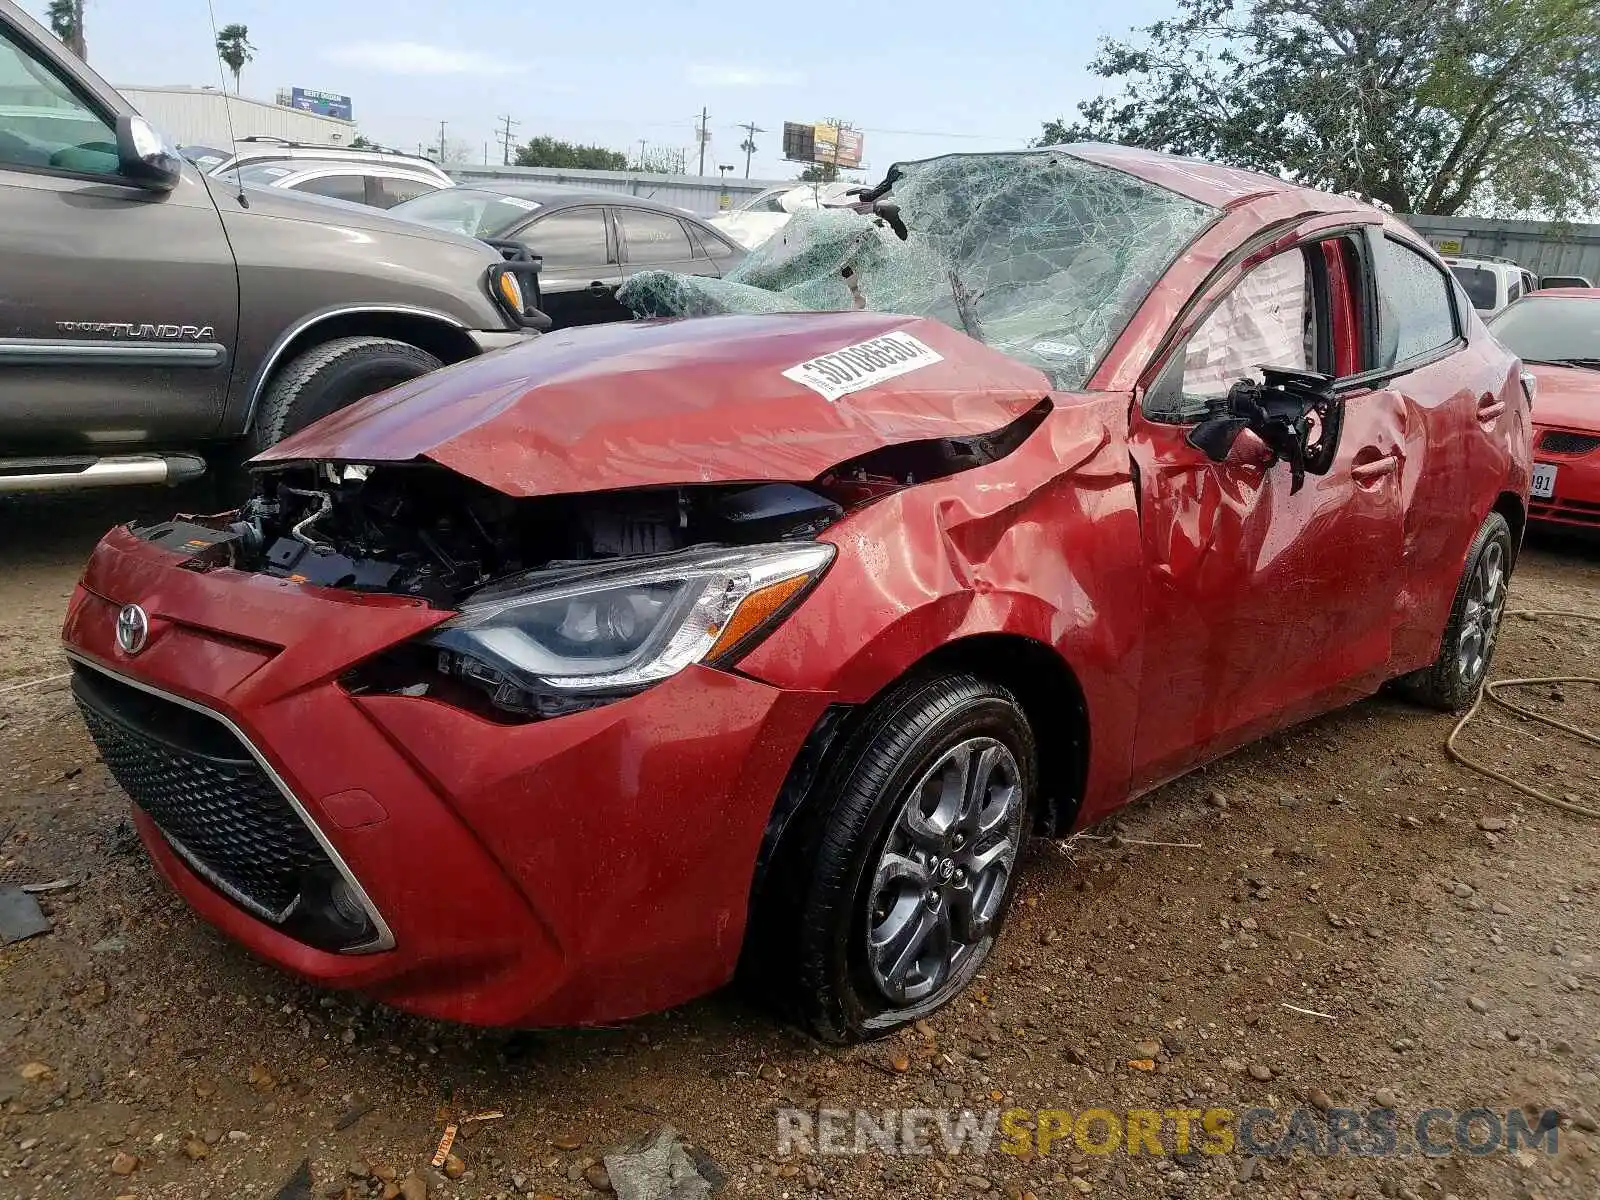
(1491, 283)
(757, 219)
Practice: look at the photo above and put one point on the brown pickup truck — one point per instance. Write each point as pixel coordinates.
(154, 320)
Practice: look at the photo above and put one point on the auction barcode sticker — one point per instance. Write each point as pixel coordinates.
(860, 366)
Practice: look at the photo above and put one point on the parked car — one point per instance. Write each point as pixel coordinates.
(377, 184)
(588, 242)
(152, 317)
(1557, 334)
(257, 151)
(546, 689)
(756, 220)
(1564, 281)
(1492, 283)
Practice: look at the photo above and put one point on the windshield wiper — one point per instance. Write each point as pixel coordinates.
(1587, 364)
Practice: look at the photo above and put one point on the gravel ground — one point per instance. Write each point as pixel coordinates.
(1444, 928)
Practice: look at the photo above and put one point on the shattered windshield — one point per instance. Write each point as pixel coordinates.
(1037, 253)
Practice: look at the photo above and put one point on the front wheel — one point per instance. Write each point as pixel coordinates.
(1452, 682)
(329, 377)
(909, 861)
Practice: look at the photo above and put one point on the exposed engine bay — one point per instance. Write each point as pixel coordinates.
(423, 531)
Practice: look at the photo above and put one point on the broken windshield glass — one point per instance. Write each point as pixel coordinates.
(1040, 254)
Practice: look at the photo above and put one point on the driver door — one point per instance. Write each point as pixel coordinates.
(1264, 607)
(118, 306)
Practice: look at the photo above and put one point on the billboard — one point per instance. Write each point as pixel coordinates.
(324, 104)
(820, 142)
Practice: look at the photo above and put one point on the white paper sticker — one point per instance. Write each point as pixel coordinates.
(860, 366)
(519, 202)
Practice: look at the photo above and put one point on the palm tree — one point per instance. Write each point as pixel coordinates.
(66, 22)
(234, 49)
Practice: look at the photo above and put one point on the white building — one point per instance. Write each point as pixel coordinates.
(192, 116)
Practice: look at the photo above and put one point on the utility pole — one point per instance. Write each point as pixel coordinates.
(749, 147)
(640, 159)
(703, 139)
(441, 143)
(505, 139)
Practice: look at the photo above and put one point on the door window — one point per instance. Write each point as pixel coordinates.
(1415, 314)
(388, 190)
(568, 239)
(1516, 291)
(340, 187)
(1268, 319)
(43, 125)
(653, 237)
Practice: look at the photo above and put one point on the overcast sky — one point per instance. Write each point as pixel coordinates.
(921, 77)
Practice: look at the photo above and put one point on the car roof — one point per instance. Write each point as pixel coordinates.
(1207, 182)
(555, 196)
(1568, 293)
(301, 166)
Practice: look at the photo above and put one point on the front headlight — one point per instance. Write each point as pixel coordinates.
(510, 289)
(542, 641)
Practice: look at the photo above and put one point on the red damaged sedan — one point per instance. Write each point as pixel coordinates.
(1557, 334)
(554, 686)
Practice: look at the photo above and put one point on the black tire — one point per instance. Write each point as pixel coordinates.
(820, 908)
(329, 377)
(1452, 682)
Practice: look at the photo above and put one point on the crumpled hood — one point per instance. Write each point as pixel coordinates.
(714, 400)
(1568, 396)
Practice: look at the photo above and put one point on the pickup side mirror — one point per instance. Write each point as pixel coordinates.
(144, 158)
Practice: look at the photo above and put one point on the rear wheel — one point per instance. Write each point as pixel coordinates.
(907, 866)
(329, 377)
(1452, 682)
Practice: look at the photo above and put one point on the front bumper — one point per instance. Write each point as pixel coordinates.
(1575, 455)
(576, 870)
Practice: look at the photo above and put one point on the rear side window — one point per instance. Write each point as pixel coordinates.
(1478, 284)
(653, 237)
(1516, 291)
(713, 247)
(340, 187)
(1415, 315)
(389, 190)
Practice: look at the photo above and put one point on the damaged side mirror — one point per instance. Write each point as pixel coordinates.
(1294, 413)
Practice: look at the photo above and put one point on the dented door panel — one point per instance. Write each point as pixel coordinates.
(1262, 607)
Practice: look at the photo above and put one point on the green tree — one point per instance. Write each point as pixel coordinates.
(552, 152)
(820, 173)
(1431, 106)
(362, 142)
(66, 22)
(234, 49)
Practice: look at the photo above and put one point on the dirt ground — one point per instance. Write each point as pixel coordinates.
(1436, 934)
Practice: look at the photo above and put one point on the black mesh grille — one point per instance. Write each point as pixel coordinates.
(1558, 441)
(205, 792)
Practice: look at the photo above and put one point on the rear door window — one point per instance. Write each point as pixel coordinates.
(339, 187)
(1415, 315)
(385, 191)
(653, 238)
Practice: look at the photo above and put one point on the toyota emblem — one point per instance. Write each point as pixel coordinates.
(133, 629)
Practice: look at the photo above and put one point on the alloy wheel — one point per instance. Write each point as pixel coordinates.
(940, 883)
(1480, 619)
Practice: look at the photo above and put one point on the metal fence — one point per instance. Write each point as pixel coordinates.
(1544, 247)
(701, 195)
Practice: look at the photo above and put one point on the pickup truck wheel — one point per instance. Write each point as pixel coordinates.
(1452, 682)
(329, 377)
(901, 883)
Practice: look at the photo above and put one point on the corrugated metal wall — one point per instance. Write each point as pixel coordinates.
(1543, 247)
(699, 194)
(200, 116)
